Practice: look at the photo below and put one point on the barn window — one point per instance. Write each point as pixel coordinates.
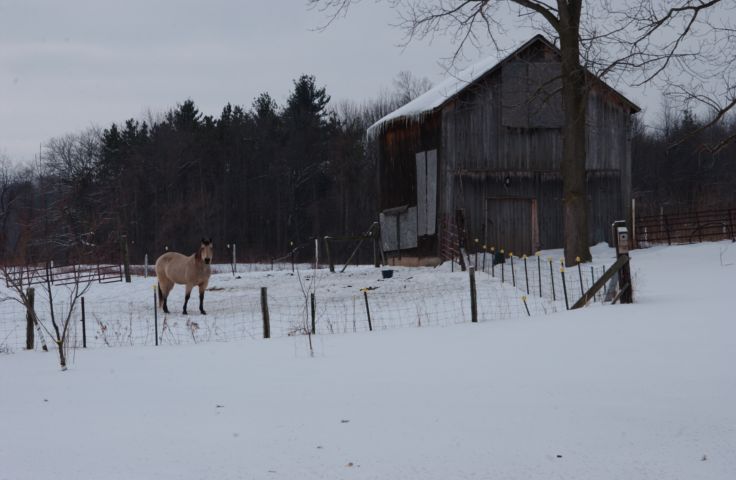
(426, 192)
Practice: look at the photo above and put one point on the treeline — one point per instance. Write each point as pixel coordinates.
(270, 176)
(682, 166)
(264, 177)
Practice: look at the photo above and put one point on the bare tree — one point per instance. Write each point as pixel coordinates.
(686, 47)
(475, 21)
(407, 86)
(59, 327)
(642, 39)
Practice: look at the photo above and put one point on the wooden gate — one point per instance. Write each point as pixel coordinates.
(511, 224)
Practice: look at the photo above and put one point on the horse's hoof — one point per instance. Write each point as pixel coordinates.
(184, 312)
(203, 312)
(166, 310)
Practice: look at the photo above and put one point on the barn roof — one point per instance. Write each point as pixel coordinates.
(446, 90)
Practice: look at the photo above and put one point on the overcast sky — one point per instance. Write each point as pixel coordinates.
(68, 65)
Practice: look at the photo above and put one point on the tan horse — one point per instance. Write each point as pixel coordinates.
(173, 268)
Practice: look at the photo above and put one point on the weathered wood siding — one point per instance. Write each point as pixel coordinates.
(397, 171)
(501, 138)
(476, 189)
(479, 151)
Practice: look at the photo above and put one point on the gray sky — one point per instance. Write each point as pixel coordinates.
(68, 65)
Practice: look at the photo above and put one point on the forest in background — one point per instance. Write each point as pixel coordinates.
(270, 176)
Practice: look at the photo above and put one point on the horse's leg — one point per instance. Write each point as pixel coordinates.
(202, 288)
(186, 298)
(164, 288)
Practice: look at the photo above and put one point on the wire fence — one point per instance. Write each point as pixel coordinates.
(685, 227)
(517, 288)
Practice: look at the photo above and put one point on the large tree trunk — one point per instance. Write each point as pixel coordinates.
(574, 99)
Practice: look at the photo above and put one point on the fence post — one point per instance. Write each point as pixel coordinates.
(145, 266)
(513, 273)
(552, 278)
(367, 310)
(493, 262)
(84, 327)
(564, 286)
(314, 315)
(730, 226)
(155, 314)
(526, 276)
(539, 271)
(235, 260)
(291, 245)
(502, 267)
(126, 257)
(484, 258)
(528, 313)
(624, 282)
(476, 253)
(329, 254)
(316, 253)
(592, 278)
(264, 312)
(580, 274)
(473, 297)
(31, 295)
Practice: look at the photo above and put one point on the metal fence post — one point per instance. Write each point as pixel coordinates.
(367, 310)
(473, 297)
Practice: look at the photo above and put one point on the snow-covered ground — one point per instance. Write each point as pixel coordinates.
(643, 391)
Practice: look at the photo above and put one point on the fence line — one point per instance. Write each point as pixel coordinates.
(686, 227)
(443, 300)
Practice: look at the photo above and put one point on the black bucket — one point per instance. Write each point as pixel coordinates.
(387, 273)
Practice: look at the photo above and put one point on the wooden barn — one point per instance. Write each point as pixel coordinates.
(488, 142)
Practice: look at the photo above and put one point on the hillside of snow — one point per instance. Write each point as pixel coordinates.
(642, 391)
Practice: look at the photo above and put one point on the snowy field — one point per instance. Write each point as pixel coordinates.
(643, 391)
(123, 314)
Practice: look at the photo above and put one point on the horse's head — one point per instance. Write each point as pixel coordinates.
(205, 251)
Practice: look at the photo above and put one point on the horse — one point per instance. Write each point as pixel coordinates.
(173, 268)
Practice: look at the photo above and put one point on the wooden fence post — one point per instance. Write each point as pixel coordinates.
(126, 257)
(155, 315)
(624, 283)
(564, 286)
(330, 261)
(264, 311)
(31, 295)
(473, 297)
(314, 315)
(84, 326)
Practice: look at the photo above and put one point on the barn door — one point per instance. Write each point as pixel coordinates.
(426, 192)
(511, 224)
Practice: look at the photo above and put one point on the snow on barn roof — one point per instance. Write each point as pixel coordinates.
(438, 95)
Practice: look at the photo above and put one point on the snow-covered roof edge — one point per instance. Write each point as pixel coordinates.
(440, 94)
